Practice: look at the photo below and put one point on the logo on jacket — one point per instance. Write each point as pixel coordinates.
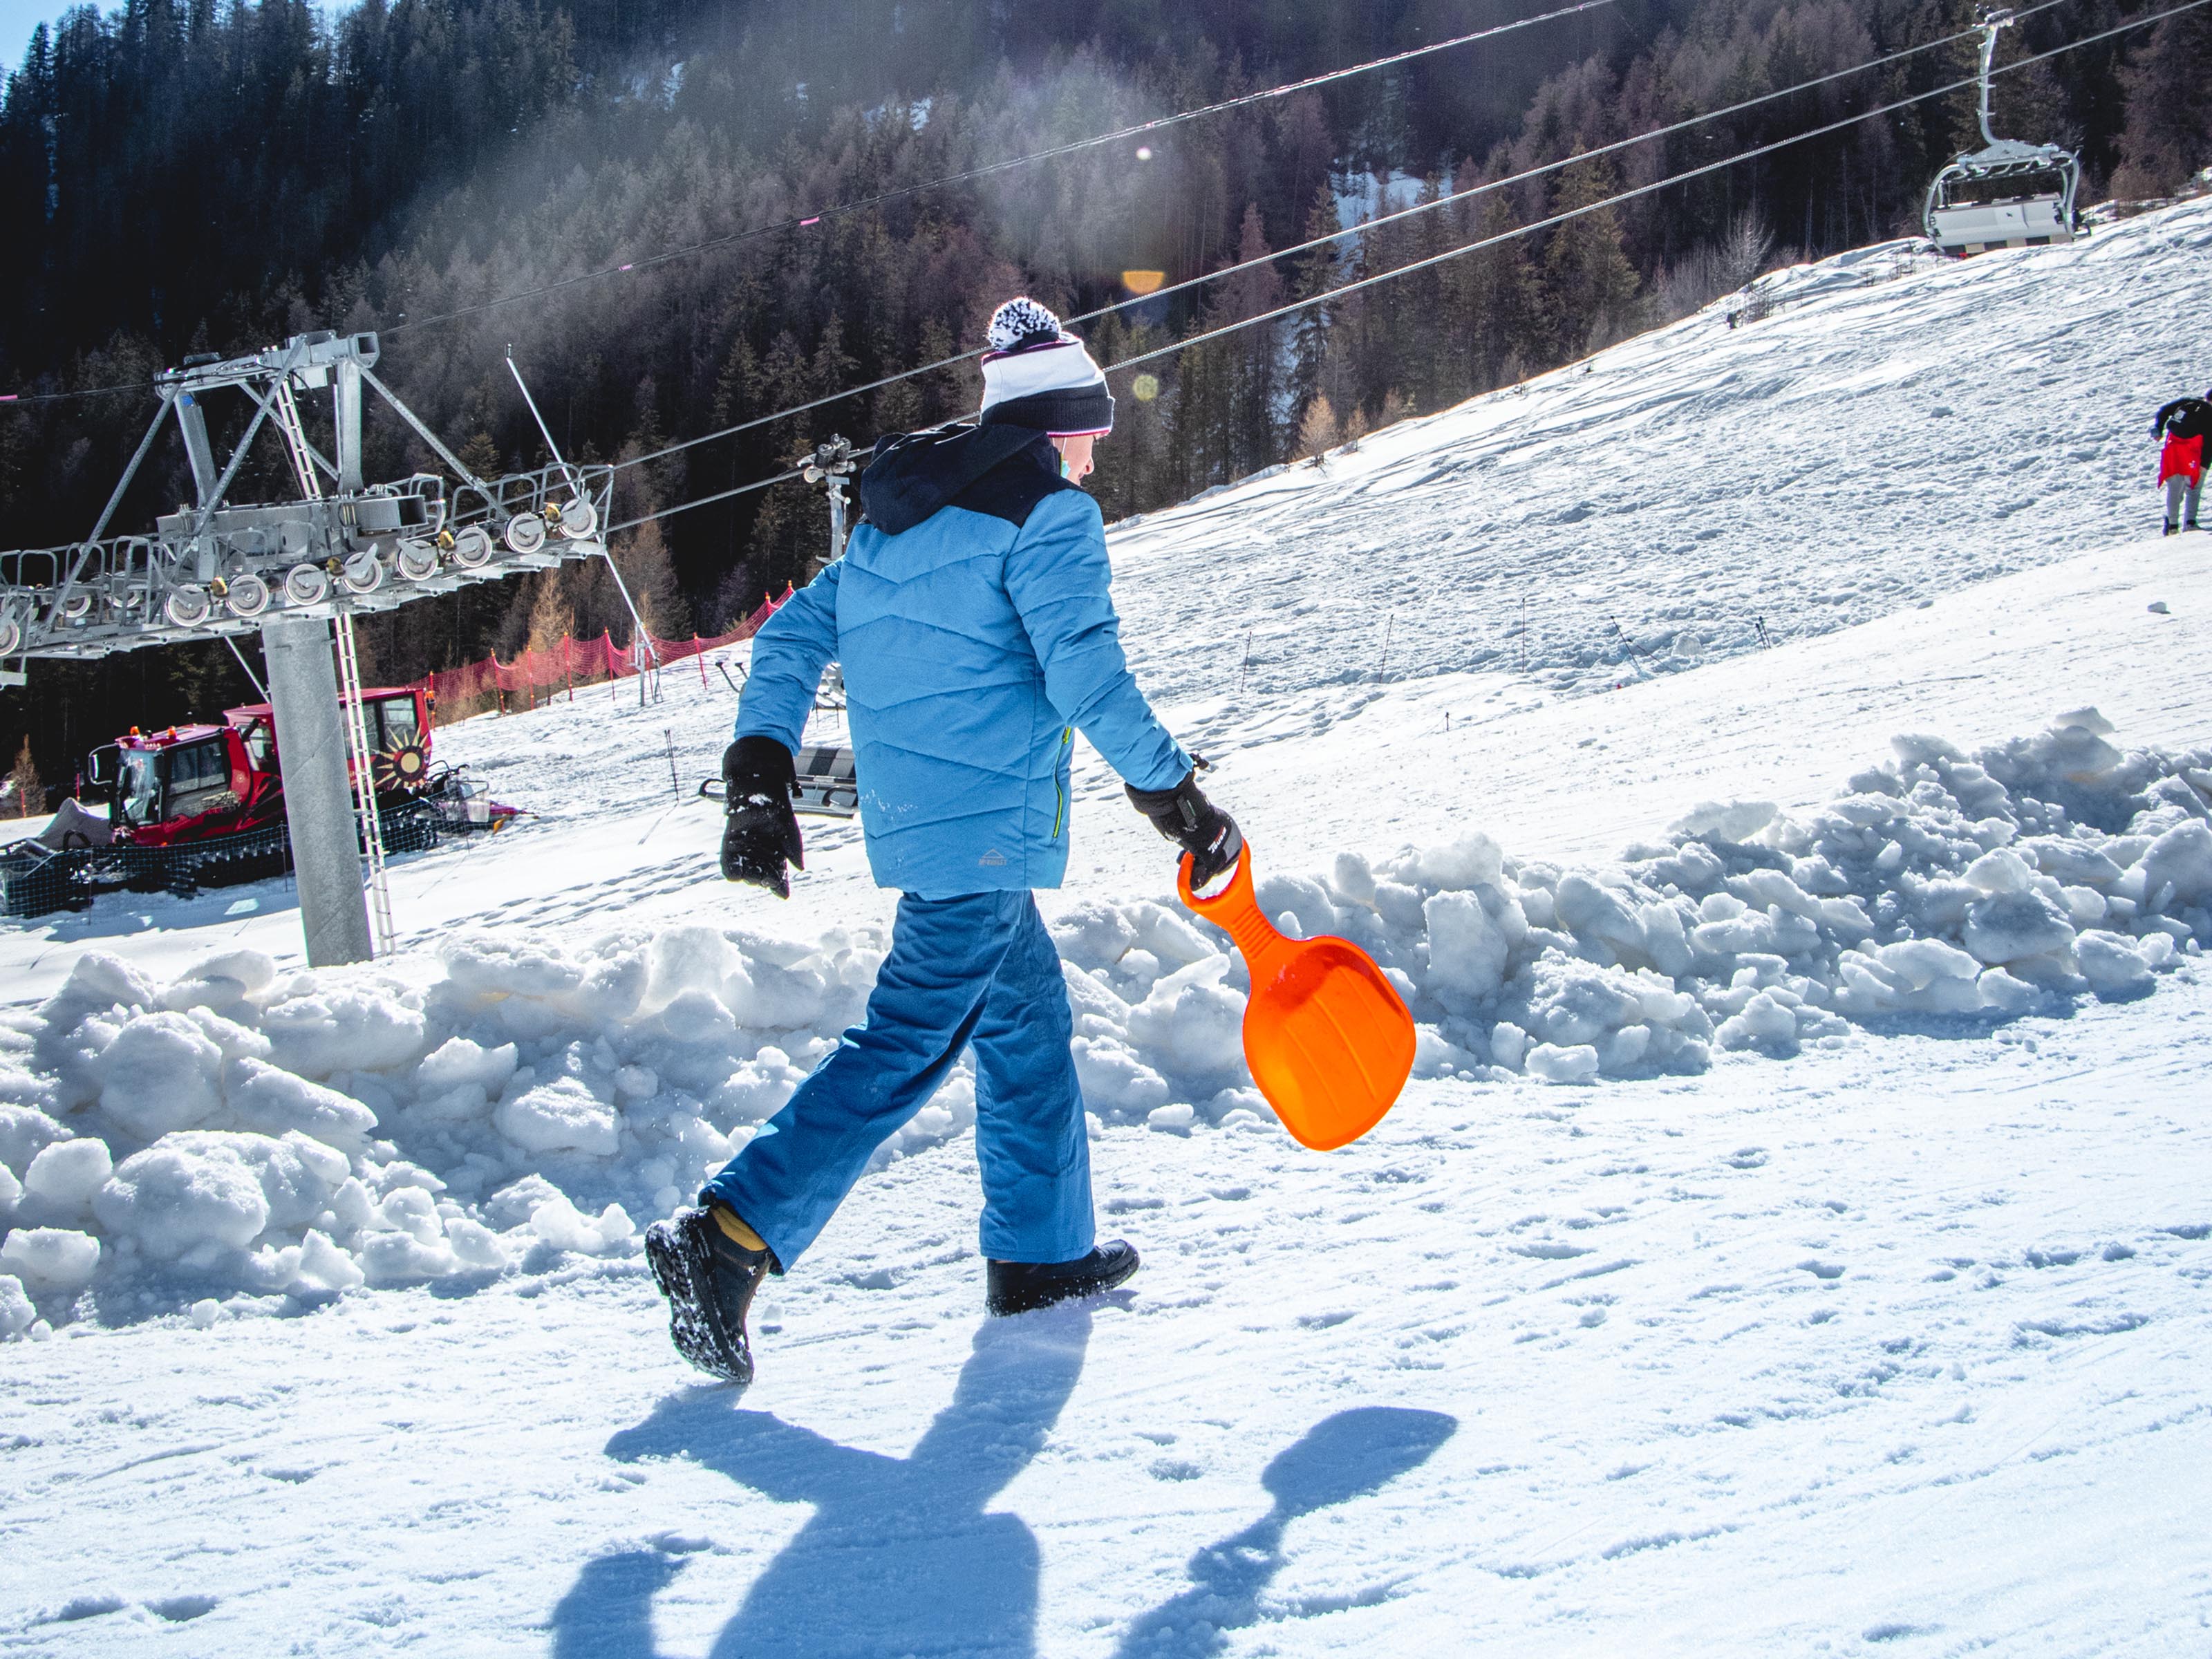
(993, 857)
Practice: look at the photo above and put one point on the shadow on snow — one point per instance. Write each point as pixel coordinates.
(902, 1554)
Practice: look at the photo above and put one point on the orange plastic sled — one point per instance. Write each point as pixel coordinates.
(1328, 1039)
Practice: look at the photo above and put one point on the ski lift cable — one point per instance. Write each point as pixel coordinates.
(719, 496)
(796, 222)
(803, 221)
(1683, 125)
(1472, 247)
(1643, 190)
(25, 399)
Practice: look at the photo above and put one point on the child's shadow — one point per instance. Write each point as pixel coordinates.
(1341, 1457)
(901, 1555)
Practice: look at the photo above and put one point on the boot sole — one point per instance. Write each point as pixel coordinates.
(690, 1327)
(1005, 1307)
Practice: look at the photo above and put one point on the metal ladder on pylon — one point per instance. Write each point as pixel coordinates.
(353, 707)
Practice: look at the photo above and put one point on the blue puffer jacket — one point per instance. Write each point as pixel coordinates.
(971, 614)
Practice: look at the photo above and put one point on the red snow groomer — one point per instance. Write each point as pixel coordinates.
(204, 805)
(197, 783)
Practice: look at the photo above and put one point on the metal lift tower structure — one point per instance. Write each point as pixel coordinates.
(297, 572)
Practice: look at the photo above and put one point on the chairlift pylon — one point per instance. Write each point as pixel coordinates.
(2007, 194)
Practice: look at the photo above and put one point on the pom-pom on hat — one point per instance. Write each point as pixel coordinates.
(1035, 373)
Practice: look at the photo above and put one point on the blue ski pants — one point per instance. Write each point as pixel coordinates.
(978, 970)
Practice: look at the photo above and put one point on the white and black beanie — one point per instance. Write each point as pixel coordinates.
(1035, 373)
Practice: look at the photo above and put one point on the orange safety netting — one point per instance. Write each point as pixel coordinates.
(537, 676)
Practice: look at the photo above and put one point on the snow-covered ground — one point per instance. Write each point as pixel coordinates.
(1879, 1236)
(1896, 1349)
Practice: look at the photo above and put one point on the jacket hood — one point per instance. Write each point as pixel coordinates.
(913, 477)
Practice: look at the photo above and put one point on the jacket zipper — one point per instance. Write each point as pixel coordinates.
(1060, 781)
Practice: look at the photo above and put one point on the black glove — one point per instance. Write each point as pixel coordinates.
(762, 833)
(1184, 815)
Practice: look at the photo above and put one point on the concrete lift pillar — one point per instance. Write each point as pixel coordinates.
(311, 751)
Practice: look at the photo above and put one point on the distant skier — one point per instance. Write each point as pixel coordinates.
(2186, 423)
(971, 616)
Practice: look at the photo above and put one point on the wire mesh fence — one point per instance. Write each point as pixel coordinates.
(538, 674)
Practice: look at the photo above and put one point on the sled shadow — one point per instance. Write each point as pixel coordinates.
(1341, 1458)
(902, 1554)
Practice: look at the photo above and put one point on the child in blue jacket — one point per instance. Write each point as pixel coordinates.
(971, 616)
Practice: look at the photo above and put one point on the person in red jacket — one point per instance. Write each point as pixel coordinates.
(2185, 424)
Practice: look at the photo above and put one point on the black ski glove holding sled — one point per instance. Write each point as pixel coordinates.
(1185, 816)
(762, 833)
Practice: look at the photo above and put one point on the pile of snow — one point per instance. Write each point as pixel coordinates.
(244, 1133)
(1990, 885)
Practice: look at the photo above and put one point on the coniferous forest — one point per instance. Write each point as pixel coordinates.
(181, 176)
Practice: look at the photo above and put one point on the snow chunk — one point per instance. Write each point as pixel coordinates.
(360, 1028)
(51, 1258)
(325, 1267)
(1471, 861)
(2177, 869)
(2115, 970)
(100, 981)
(2000, 871)
(205, 1187)
(159, 1074)
(1115, 1082)
(1766, 1021)
(2014, 924)
(1549, 1063)
(562, 1225)
(489, 966)
(63, 1178)
(2082, 720)
(1467, 948)
(1192, 1025)
(221, 982)
(17, 1315)
(1728, 821)
(562, 1115)
(401, 1258)
(459, 1063)
(23, 1131)
(269, 1100)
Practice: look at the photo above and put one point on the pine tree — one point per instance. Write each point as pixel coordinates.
(1588, 281)
(1500, 298)
(1313, 273)
(2169, 109)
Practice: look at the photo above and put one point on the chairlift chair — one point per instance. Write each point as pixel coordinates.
(2007, 194)
(823, 772)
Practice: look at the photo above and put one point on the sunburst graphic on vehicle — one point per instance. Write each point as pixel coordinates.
(401, 767)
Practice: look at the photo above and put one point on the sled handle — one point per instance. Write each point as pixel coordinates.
(1236, 908)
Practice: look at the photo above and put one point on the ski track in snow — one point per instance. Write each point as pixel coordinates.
(1796, 1357)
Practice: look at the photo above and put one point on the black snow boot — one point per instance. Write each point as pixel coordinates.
(709, 1279)
(2171, 527)
(1019, 1286)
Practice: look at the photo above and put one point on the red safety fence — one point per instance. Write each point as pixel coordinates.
(539, 676)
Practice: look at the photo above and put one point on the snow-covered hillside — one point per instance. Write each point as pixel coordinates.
(1801, 1179)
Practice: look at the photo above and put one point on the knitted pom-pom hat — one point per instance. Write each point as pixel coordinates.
(1037, 374)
